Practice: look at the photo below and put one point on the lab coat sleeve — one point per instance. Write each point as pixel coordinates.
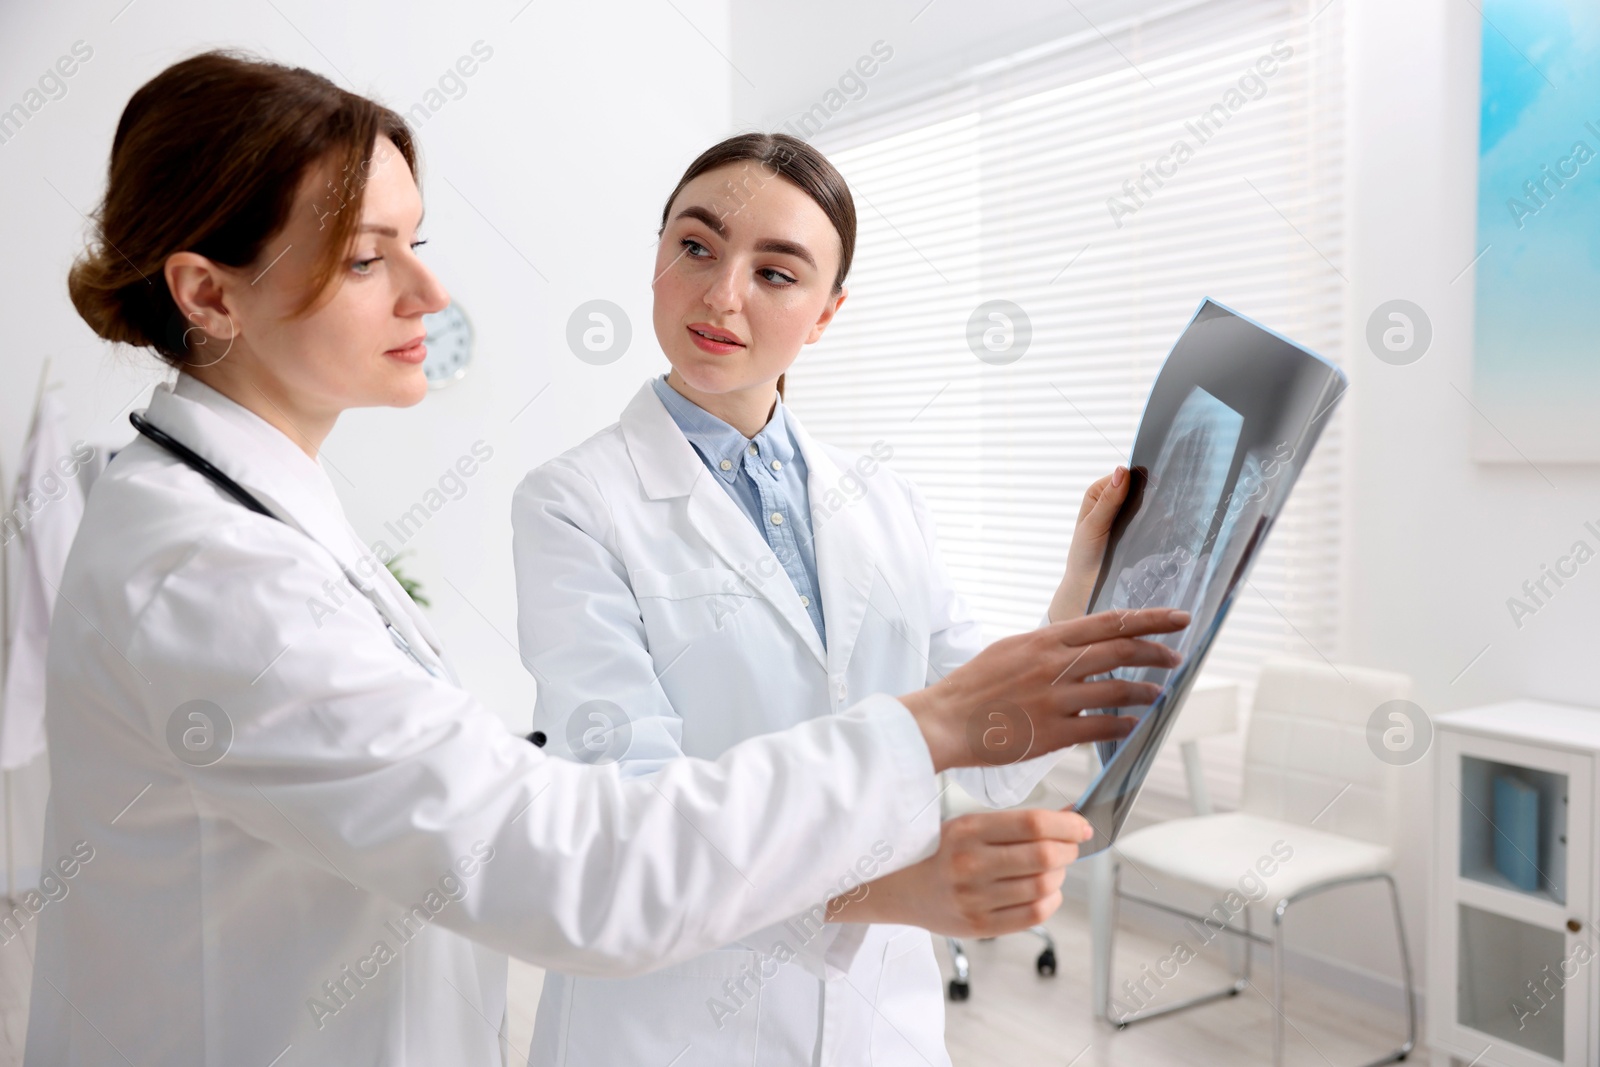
(954, 637)
(344, 752)
(580, 631)
(582, 636)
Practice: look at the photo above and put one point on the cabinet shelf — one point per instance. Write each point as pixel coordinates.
(1514, 886)
(1514, 827)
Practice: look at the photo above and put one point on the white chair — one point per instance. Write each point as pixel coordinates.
(1212, 708)
(1311, 784)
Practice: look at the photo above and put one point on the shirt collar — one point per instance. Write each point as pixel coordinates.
(721, 443)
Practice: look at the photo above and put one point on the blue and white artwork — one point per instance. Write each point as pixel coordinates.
(1537, 344)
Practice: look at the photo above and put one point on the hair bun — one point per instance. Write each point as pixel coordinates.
(102, 296)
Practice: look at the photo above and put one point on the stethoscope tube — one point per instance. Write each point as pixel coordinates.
(204, 467)
(200, 464)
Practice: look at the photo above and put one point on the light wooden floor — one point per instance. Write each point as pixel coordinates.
(16, 977)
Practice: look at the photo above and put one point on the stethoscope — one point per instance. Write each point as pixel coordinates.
(198, 463)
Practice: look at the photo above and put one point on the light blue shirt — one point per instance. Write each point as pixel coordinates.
(766, 476)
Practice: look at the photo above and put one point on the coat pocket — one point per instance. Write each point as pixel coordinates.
(703, 1011)
(688, 604)
(908, 1016)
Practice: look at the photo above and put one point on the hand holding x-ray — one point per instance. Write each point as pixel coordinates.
(1231, 420)
(1090, 536)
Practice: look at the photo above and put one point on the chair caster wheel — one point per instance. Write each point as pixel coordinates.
(1046, 963)
(959, 990)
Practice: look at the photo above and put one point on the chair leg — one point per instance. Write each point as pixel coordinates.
(1405, 967)
(1238, 985)
(1278, 1018)
(1249, 947)
(960, 980)
(1102, 930)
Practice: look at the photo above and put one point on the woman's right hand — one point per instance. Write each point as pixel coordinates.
(996, 872)
(1028, 690)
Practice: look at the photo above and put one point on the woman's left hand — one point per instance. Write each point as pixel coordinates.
(1101, 503)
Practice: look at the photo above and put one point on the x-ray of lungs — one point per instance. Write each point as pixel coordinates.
(1230, 423)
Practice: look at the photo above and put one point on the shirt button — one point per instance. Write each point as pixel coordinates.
(805, 601)
(842, 690)
(753, 450)
(777, 466)
(726, 464)
(777, 518)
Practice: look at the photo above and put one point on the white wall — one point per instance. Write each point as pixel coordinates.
(789, 57)
(1437, 542)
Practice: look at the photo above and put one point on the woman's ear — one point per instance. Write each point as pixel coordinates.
(829, 310)
(200, 288)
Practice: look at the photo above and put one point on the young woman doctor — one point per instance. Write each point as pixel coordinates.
(697, 566)
(285, 835)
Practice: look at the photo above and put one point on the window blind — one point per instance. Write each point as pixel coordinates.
(1055, 180)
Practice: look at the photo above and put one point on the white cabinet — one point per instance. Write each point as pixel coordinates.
(1512, 948)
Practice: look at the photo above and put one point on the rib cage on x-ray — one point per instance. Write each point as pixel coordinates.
(1231, 420)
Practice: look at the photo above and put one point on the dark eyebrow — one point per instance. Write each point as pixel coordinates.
(786, 248)
(706, 217)
(770, 244)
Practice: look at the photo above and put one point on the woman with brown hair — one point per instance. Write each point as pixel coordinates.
(709, 568)
(284, 834)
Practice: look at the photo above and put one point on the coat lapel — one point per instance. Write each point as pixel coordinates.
(669, 467)
(846, 570)
(292, 485)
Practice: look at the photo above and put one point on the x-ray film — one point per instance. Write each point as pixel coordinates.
(1229, 425)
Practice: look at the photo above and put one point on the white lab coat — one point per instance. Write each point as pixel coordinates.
(209, 910)
(641, 582)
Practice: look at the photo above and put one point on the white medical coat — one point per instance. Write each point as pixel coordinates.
(373, 841)
(641, 583)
